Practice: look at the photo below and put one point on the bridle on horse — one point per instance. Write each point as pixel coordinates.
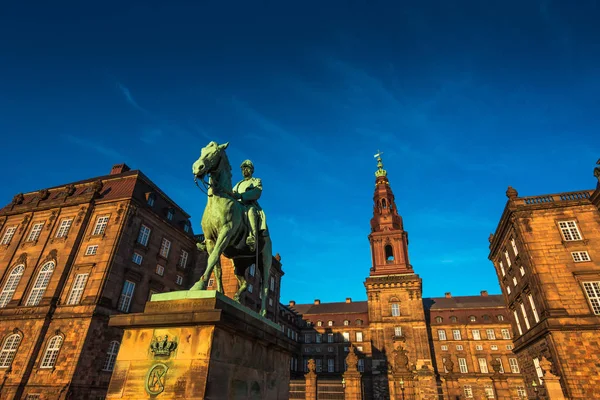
(208, 185)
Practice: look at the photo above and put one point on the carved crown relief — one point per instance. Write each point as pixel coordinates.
(22, 259)
(52, 256)
(51, 219)
(18, 199)
(24, 222)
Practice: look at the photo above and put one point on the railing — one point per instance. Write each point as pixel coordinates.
(551, 198)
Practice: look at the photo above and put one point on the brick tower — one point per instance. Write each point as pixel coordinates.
(401, 352)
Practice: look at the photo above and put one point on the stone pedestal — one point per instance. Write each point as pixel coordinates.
(352, 385)
(199, 345)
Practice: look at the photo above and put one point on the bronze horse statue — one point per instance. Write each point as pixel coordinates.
(225, 226)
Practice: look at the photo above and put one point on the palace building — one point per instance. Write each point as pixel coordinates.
(70, 257)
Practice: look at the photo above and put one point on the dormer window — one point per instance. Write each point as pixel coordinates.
(186, 226)
(170, 214)
(150, 197)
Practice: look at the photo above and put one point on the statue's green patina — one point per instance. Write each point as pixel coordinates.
(225, 223)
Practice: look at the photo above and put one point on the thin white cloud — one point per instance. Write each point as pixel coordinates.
(129, 98)
(98, 148)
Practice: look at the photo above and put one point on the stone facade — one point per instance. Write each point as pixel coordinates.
(71, 256)
(545, 251)
(408, 346)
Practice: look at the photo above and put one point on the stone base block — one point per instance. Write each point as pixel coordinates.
(199, 345)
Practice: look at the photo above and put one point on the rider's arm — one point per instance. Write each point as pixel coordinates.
(254, 193)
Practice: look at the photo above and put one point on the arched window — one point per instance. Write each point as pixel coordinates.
(439, 320)
(389, 253)
(51, 352)
(329, 323)
(486, 318)
(383, 203)
(319, 323)
(41, 283)
(453, 319)
(9, 350)
(472, 318)
(111, 356)
(11, 285)
(500, 317)
(359, 322)
(346, 322)
(395, 309)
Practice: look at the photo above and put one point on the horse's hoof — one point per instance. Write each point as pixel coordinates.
(236, 298)
(263, 313)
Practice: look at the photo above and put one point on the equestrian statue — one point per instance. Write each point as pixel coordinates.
(233, 223)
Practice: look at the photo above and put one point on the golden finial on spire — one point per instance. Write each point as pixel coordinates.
(380, 171)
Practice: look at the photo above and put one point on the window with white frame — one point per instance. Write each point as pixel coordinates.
(509, 347)
(514, 246)
(517, 322)
(439, 320)
(398, 332)
(318, 338)
(538, 370)
(111, 356)
(160, 270)
(361, 365)
(346, 322)
(483, 365)
(525, 318)
(100, 226)
(330, 338)
(521, 392)
(51, 353)
(307, 338)
(514, 281)
(472, 318)
(592, 291)
(441, 334)
(35, 231)
(250, 288)
(272, 284)
(489, 391)
(40, 285)
(346, 336)
(359, 336)
(319, 364)
(580, 256)
(395, 310)
(459, 347)
(91, 250)
(501, 264)
(468, 391)
(183, 259)
(8, 235)
(444, 347)
(330, 323)
(462, 364)
(505, 333)
(63, 229)
(252, 270)
(9, 350)
(144, 235)
(533, 308)
(165, 247)
(456, 334)
(522, 270)
(514, 365)
(151, 198)
(508, 289)
(126, 296)
(170, 214)
(569, 230)
(179, 280)
(11, 285)
(330, 365)
(501, 367)
(507, 257)
(476, 334)
(491, 335)
(478, 347)
(137, 258)
(77, 289)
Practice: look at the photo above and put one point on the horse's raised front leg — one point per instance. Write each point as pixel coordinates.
(267, 259)
(214, 257)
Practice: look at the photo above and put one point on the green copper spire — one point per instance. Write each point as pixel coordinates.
(380, 171)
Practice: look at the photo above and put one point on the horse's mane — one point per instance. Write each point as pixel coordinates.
(226, 165)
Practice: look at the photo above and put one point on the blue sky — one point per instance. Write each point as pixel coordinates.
(464, 98)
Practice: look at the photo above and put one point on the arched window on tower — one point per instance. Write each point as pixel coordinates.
(383, 204)
(389, 253)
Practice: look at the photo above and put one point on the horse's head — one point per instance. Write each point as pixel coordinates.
(209, 159)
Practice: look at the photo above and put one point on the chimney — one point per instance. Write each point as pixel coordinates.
(448, 295)
(348, 300)
(484, 293)
(292, 303)
(317, 301)
(119, 169)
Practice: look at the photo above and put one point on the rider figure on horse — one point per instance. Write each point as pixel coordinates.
(248, 191)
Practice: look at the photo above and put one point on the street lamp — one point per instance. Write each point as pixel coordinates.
(535, 389)
(402, 387)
